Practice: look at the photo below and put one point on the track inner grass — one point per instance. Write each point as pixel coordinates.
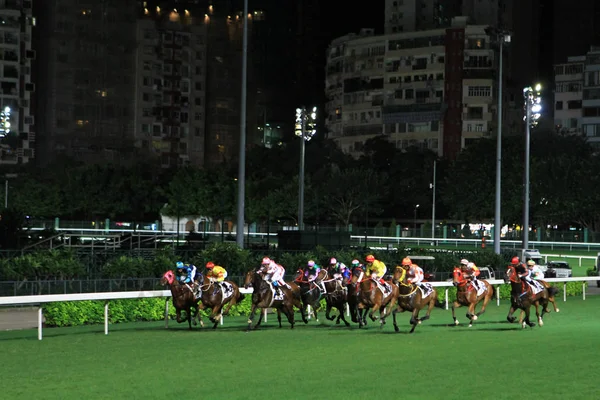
(493, 359)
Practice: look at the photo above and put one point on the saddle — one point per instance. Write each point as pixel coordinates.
(385, 288)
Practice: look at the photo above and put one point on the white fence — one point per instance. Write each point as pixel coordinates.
(107, 296)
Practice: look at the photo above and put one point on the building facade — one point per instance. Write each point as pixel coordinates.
(170, 86)
(568, 95)
(591, 97)
(17, 129)
(431, 89)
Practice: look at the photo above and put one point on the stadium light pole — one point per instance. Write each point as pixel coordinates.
(533, 108)
(305, 129)
(239, 231)
(500, 37)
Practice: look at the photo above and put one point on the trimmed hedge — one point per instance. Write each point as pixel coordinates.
(88, 312)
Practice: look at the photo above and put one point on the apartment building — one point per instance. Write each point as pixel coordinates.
(591, 97)
(430, 89)
(17, 133)
(415, 15)
(170, 85)
(568, 92)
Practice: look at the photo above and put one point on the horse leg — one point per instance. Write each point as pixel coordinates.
(216, 316)
(414, 319)
(486, 299)
(231, 302)
(178, 315)
(456, 304)
(527, 322)
(289, 312)
(341, 315)
(430, 306)
(372, 315)
(251, 316)
(510, 318)
(279, 317)
(394, 319)
(471, 314)
(189, 316)
(328, 312)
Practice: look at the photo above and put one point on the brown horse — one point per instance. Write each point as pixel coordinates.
(551, 299)
(522, 297)
(263, 296)
(336, 296)
(372, 299)
(212, 296)
(467, 295)
(311, 292)
(183, 299)
(410, 298)
(352, 286)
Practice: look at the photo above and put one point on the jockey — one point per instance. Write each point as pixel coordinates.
(216, 274)
(534, 270)
(415, 275)
(376, 269)
(471, 272)
(274, 274)
(339, 270)
(357, 264)
(524, 273)
(312, 270)
(186, 272)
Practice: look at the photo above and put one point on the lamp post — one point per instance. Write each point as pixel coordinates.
(415, 220)
(432, 187)
(501, 37)
(533, 107)
(239, 230)
(305, 129)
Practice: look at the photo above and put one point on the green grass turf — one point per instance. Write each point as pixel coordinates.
(493, 359)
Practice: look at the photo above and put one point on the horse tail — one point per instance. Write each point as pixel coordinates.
(552, 291)
(439, 304)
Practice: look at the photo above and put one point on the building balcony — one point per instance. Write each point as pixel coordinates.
(486, 116)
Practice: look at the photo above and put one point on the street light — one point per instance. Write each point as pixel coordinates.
(241, 200)
(5, 121)
(415, 220)
(305, 128)
(501, 37)
(432, 187)
(533, 109)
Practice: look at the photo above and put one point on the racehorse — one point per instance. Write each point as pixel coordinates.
(212, 296)
(336, 296)
(263, 296)
(467, 295)
(352, 297)
(310, 292)
(183, 298)
(522, 297)
(411, 298)
(551, 299)
(371, 298)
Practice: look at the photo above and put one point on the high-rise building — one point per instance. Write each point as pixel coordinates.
(170, 86)
(568, 95)
(591, 97)
(17, 130)
(86, 54)
(415, 15)
(431, 89)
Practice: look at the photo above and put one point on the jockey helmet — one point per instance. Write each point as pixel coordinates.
(311, 263)
(370, 258)
(406, 261)
(179, 264)
(531, 263)
(355, 262)
(333, 261)
(266, 261)
(515, 261)
(210, 265)
(464, 261)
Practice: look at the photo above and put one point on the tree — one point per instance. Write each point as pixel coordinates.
(349, 190)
